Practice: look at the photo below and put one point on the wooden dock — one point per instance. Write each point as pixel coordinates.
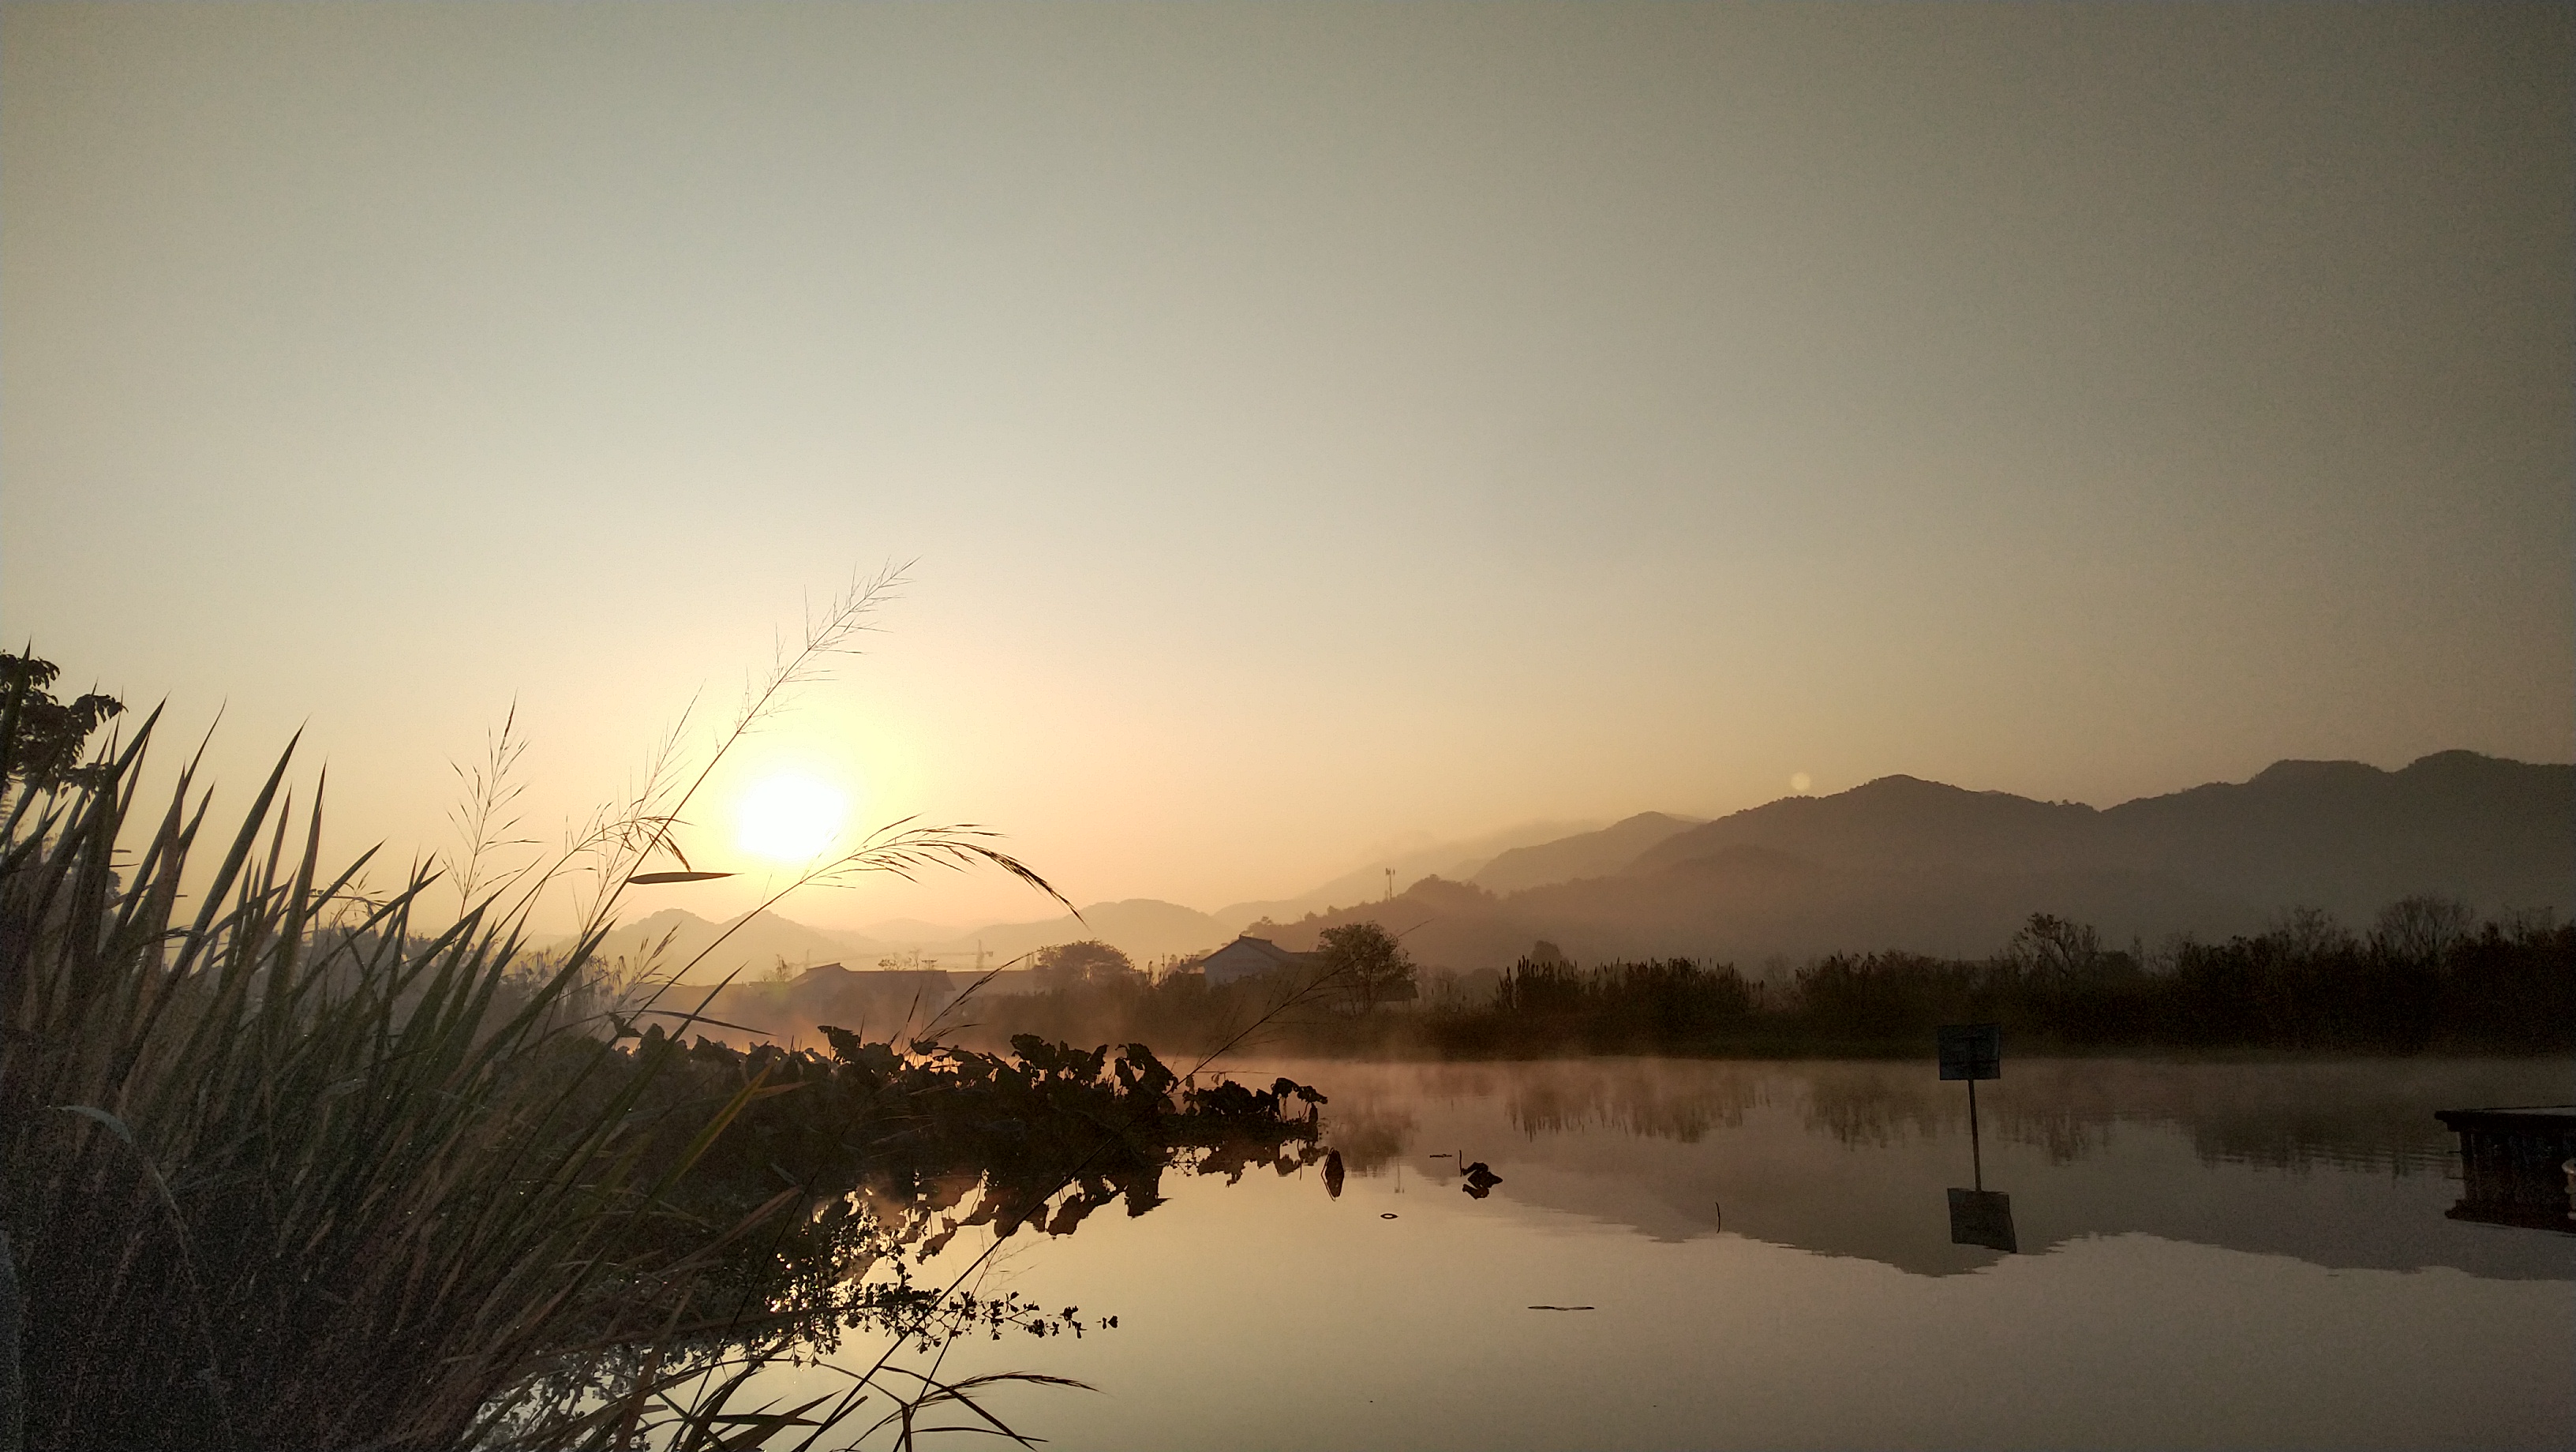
(2517, 1166)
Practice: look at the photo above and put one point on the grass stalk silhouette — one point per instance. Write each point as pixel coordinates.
(371, 1172)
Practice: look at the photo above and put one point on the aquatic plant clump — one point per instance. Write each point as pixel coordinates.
(893, 1149)
(883, 1154)
(284, 1163)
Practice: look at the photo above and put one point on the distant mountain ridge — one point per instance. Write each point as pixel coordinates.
(1901, 862)
(1462, 858)
(2340, 835)
(1143, 928)
(1588, 854)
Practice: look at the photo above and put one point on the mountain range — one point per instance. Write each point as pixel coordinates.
(1905, 863)
(1898, 862)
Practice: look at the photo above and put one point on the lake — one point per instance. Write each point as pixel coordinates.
(1763, 1255)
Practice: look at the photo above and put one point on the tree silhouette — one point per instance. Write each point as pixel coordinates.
(1367, 961)
(1072, 965)
(2422, 928)
(46, 737)
(2055, 947)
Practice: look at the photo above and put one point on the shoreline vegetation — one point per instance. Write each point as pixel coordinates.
(285, 1164)
(2426, 979)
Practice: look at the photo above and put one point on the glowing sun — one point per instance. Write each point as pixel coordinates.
(789, 818)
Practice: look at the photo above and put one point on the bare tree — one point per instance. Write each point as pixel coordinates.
(1368, 962)
(2307, 933)
(2421, 928)
(2055, 947)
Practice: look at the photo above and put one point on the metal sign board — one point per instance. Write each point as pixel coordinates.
(1982, 1217)
(1972, 1051)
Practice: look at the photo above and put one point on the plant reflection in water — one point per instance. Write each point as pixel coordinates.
(875, 1158)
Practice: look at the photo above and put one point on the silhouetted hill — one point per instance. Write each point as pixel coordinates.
(2339, 835)
(1367, 883)
(1906, 863)
(1587, 854)
(1895, 822)
(2348, 837)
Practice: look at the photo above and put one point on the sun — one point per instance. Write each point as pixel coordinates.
(789, 818)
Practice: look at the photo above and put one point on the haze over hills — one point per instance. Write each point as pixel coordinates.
(1918, 865)
(1459, 858)
(1143, 928)
(1588, 854)
(1898, 862)
(905, 930)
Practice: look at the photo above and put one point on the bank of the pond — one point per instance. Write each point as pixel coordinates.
(2501, 989)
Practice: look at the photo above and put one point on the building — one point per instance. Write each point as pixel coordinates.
(1248, 957)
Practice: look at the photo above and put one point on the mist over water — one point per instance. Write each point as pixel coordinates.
(2207, 1254)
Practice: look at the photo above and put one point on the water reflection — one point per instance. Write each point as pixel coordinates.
(2518, 1166)
(2340, 1164)
(1982, 1217)
(1803, 1226)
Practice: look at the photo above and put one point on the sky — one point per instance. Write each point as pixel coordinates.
(1308, 428)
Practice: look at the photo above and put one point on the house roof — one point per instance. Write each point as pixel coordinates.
(1247, 945)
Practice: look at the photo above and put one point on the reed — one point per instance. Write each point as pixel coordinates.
(302, 1168)
(279, 1174)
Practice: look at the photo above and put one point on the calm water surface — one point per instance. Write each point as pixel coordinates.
(2205, 1255)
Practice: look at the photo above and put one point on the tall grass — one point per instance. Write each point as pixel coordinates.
(300, 1167)
(279, 1174)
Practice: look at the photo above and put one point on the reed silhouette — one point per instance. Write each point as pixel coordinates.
(302, 1167)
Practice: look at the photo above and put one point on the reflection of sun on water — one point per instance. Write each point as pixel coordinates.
(789, 818)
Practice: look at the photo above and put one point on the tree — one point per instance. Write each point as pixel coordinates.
(46, 737)
(2307, 934)
(1073, 965)
(1368, 963)
(2421, 929)
(2058, 951)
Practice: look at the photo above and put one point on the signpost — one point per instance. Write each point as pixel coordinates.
(1974, 1051)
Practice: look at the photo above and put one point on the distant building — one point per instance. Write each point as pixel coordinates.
(1246, 957)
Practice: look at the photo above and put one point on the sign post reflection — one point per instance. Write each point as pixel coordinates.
(1978, 1216)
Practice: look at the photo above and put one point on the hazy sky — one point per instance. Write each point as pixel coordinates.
(1314, 424)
